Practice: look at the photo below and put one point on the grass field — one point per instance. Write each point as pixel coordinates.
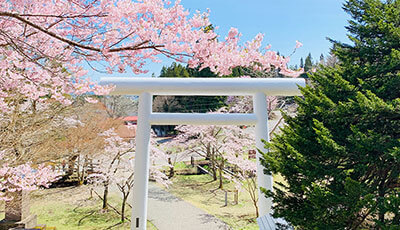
(72, 209)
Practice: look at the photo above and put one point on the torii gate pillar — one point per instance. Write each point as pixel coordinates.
(262, 133)
(142, 163)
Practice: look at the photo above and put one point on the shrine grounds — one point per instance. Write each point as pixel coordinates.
(73, 208)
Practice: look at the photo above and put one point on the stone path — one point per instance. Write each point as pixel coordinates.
(167, 212)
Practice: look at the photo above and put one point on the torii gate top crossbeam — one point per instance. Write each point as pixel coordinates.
(205, 86)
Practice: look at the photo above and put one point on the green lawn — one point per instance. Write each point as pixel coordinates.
(71, 217)
(73, 209)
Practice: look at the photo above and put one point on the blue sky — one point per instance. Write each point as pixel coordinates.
(282, 21)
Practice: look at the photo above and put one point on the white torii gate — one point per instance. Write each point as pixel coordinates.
(147, 87)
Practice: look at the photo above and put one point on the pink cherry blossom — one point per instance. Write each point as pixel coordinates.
(115, 164)
(25, 177)
(298, 44)
(43, 44)
(91, 100)
(232, 33)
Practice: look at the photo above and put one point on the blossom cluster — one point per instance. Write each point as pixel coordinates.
(24, 177)
(115, 164)
(43, 44)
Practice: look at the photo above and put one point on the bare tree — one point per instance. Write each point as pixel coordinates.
(81, 141)
(331, 60)
(119, 105)
(29, 130)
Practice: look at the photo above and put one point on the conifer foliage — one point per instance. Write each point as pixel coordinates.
(340, 155)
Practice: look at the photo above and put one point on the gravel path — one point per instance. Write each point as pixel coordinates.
(167, 212)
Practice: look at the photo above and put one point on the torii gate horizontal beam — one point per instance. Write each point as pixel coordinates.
(205, 86)
(202, 119)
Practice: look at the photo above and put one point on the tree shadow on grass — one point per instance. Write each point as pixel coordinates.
(199, 184)
(90, 216)
(116, 225)
(53, 192)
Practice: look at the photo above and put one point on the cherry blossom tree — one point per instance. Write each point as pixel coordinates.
(25, 177)
(175, 153)
(80, 140)
(244, 175)
(214, 143)
(115, 166)
(44, 44)
(108, 162)
(225, 147)
(244, 104)
(28, 135)
(27, 131)
(124, 177)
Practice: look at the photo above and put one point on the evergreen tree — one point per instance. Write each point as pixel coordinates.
(340, 155)
(308, 63)
(196, 72)
(175, 70)
(199, 104)
(301, 63)
(187, 104)
(322, 59)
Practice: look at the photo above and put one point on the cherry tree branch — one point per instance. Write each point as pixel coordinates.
(64, 16)
(76, 44)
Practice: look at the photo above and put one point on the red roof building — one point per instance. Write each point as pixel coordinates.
(132, 120)
(123, 130)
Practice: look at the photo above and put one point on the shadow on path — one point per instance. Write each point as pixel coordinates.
(167, 212)
(162, 195)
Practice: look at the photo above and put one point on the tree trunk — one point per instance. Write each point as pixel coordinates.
(81, 178)
(105, 196)
(171, 168)
(123, 208)
(221, 168)
(256, 207)
(78, 171)
(221, 185)
(236, 197)
(83, 175)
(214, 172)
(213, 167)
(71, 164)
(208, 152)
